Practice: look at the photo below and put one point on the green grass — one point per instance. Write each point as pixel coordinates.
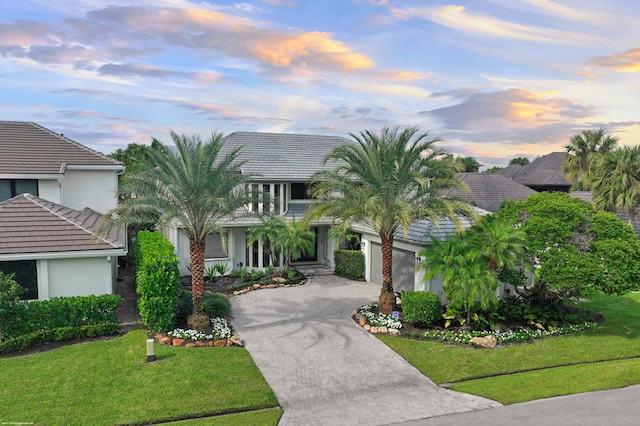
(254, 418)
(109, 382)
(616, 338)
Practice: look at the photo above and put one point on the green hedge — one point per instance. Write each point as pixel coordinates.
(60, 312)
(421, 307)
(157, 280)
(349, 264)
(20, 343)
(214, 305)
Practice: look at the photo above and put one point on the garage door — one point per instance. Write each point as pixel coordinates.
(404, 268)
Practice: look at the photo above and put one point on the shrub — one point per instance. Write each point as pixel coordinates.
(10, 292)
(422, 307)
(20, 343)
(349, 264)
(214, 305)
(157, 280)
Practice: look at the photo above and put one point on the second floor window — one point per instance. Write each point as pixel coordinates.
(9, 188)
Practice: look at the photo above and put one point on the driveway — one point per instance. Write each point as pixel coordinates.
(325, 369)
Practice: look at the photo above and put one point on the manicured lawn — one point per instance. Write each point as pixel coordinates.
(109, 382)
(617, 337)
(256, 418)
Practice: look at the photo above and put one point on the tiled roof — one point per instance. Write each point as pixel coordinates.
(28, 148)
(282, 157)
(489, 190)
(29, 224)
(543, 171)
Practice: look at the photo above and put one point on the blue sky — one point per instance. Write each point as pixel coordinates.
(495, 79)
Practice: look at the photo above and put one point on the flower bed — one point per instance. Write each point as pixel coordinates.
(220, 335)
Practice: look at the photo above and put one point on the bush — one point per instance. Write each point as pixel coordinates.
(214, 305)
(421, 307)
(157, 280)
(20, 343)
(349, 264)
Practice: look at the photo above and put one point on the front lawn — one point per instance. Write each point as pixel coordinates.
(109, 382)
(617, 337)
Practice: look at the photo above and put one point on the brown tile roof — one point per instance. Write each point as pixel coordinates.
(544, 171)
(29, 224)
(28, 148)
(489, 190)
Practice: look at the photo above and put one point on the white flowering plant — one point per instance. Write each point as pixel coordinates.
(219, 330)
(378, 319)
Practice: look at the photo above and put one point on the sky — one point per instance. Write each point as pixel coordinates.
(494, 79)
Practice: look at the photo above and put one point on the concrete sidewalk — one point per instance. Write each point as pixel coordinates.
(325, 369)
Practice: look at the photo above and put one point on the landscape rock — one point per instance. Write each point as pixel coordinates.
(235, 340)
(211, 343)
(178, 342)
(485, 342)
(220, 343)
(367, 327)
(373, 330)
(394, 332)
(235, 293)
(271, 286)
(256, 286)
(362, 322)
(383, 330)
(190, 345)
(200, 344)
(165, 341)
(279, 279)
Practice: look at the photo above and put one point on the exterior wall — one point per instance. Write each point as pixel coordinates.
(75, 277)
(366, 248)
(49, 189)
(96, 189)
(235, 253)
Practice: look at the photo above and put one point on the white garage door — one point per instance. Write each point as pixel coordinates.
(404, 268)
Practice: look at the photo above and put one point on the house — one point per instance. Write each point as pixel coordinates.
(489, 190)
(543, 174)
(53, 192)
(282, 164)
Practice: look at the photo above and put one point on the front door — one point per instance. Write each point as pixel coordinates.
(310, 257)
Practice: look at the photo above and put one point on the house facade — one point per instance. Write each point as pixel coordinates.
(53, 192)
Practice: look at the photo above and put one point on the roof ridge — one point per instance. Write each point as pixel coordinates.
(284, 134)
(71, 141)
(41, 202)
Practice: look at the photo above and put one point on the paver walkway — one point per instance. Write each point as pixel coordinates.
(325, 369)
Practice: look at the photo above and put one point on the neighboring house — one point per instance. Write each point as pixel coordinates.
(47, 237)
(489, 190)
(283, 165)
(543, 174)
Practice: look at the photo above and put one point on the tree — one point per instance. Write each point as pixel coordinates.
(493, 169)
(387, 181)
(280, 235)
(192, 188)
(616, 184)
(10, 292)
(521, 161)
(469, 164)
(585, 151)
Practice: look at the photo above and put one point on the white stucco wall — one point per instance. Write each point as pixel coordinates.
(49, 189)
(75, 277)
(96, 189)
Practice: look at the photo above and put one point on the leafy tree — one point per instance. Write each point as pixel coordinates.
(192, 187)
(493, 169)
(576, 249)
(616, 186)
(469, 164)
(387, 181)
(521, 161)
(269, 232)
(585, 151)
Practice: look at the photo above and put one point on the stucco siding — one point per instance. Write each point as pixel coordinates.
(49, 189)
(90, 188)
(75, 277)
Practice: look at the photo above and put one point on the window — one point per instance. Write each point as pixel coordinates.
(25, 274)
(214, 248)
(300, 191)
(11, 187)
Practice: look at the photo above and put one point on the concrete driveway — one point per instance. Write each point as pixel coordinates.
(325, 369)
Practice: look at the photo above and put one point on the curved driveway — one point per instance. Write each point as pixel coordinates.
(325, 369)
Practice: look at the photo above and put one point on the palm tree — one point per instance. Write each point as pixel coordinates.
(616, 185)
(469, 164)
(585, 150)
(499, 243)
(387, 181)
(192, 188)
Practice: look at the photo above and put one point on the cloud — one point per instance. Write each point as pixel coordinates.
(459, 18)
(628, 61)
(458, 93)
(512, 116)
(288, 3)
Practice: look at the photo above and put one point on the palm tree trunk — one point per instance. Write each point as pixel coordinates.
(387, 300)
(196, 249)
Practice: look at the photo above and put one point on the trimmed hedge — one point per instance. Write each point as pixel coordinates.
(60, 312)
(349, 264)
(157, 280)
(421, 307)
(20, 343)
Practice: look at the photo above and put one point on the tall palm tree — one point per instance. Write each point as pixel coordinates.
(585, 150)
(499, 243)
(192, 188)
(616, 186)
(387, 181)
(469, 164)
